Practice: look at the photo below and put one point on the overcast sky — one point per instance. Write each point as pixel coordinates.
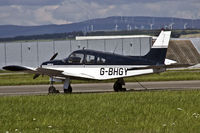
(41, 12)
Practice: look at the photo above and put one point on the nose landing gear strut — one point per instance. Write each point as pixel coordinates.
(52, 89)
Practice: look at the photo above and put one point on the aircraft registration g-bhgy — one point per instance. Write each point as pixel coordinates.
(91, 64)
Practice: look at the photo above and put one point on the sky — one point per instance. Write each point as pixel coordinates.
(42, 12)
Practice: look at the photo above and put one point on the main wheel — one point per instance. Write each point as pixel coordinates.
(52, 89)
(69, 90)
(117, 86)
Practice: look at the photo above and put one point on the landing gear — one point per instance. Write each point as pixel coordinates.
(52, 89)
(67, 86)
(69, 90)
(118, 85)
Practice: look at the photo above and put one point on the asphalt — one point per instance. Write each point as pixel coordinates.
(101, 87)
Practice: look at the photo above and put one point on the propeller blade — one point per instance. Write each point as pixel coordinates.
(36, 76)
(54, 56)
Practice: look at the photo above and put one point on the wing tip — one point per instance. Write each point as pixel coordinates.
(14, 68)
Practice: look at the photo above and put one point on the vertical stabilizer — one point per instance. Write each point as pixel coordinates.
(163, 40)
(158, 51)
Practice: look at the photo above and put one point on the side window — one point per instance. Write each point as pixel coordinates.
(76, 58)
(89, 59)
(101, 60)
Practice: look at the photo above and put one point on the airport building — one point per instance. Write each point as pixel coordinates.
(33, 53)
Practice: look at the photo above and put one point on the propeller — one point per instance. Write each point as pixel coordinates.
(36, 76)
(52, 58)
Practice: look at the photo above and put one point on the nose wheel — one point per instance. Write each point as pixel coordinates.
(52, 89)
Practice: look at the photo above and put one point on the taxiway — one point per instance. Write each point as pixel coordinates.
(100, 87)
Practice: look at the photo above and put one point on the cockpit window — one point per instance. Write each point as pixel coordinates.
(89, 59)
(101, 60)
(76, 58)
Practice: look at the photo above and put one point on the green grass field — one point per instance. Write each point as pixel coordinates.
(133, 112)
(27, 79)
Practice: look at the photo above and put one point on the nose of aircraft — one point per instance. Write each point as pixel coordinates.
(51, 62)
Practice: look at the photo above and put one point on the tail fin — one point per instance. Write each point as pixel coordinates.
(158, 51)
(163, 40)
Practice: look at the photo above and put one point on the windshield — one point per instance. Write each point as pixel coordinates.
(76, 58)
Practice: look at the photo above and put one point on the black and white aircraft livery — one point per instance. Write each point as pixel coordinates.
(91, 64)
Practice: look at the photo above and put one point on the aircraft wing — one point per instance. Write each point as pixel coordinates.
(47, 71)
(61, 73)
(93, 73)
(162, 66)
(39, 70)
(21, 68)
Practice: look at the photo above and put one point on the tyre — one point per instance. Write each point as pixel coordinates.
(117, 86)
(52, 89)
(69, 90)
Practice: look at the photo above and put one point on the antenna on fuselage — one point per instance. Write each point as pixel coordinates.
(115, 49)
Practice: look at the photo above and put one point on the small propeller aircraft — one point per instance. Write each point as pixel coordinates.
(91, 64)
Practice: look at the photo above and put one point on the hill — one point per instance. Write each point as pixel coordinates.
(115, 23)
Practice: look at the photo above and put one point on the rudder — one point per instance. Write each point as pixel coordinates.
(158, 51)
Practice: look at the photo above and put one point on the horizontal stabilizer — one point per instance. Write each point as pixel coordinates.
(169, 62)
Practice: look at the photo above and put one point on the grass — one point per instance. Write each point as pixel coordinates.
(197, 35)
(22, 79)
(170, 76)
(134, 112)
(27, 79)
(2, 71)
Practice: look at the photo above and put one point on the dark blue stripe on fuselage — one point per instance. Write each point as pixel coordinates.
(156, 56)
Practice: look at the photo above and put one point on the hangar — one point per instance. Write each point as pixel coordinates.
(33, 53)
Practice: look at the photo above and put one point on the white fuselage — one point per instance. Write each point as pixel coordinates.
(99, 72)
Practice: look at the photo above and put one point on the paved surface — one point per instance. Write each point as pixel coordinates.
(99, 87)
